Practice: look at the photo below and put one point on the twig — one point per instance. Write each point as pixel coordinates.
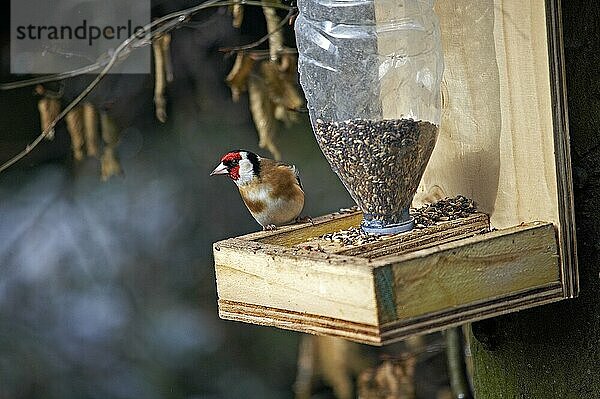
(265, 54)
(263, 39)
(164, 24)
(457, 369)
(188, 12)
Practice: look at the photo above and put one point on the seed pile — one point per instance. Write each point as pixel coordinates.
(352, 236)
(379, 162)
(427, 215)
(443, 210)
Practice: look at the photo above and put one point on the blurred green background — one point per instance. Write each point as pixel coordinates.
(107, 290)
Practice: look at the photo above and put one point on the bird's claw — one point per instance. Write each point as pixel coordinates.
(269, 227)
(305, 219)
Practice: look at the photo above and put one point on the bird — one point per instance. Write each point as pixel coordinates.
(271, 190)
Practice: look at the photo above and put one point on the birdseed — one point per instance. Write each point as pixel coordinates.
(380, 162)
(428, 215)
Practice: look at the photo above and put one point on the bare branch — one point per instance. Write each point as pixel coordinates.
(181, 17)
(263, 39)
(152, 30)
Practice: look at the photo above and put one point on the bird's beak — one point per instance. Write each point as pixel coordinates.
(220, 170)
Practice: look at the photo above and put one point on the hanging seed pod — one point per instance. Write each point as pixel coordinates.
(90, 126)
(165, 44)
(237, 10)
(160, 80)
(49, 108)
(238, 76)
(263, 114)
(110, 130)
(74, 119)
(281, 89)
(109, 164)
(275, 34)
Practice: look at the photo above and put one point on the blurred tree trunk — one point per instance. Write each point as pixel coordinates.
(554, 351)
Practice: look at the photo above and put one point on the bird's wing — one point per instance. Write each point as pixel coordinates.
(268, 164)
(296, 173)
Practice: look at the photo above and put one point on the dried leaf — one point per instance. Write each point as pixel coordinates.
(262, 111)
(160, 80)
(285, 115)
(275, 34)
(110, 130)
(90, 127)
(237, 9)
(110, 165)
(286, 61)
(49, 109)
(281, 90)
(338, 360)
(74, 121)
(291, 96)
(238, 76)
(289, 65)
(390, 380)
(306, 370)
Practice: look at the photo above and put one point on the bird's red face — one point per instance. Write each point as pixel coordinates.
(230, 165)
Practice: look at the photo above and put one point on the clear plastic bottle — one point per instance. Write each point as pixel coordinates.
(371, 72)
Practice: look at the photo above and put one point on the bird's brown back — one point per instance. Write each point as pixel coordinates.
(286, 184)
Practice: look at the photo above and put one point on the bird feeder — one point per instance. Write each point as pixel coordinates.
(371, 73)
(401, 124)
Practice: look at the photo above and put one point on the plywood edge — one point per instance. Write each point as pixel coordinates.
(399, 330)
(297, 321)
(390, 332)
(560, 115)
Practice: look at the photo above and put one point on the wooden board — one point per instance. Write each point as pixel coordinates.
(504, 138)
(380, 292)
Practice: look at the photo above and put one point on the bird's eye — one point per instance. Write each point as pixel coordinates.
(234, 162)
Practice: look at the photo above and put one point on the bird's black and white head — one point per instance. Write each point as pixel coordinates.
(241, 165)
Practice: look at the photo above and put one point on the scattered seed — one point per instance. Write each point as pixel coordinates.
(428, 215)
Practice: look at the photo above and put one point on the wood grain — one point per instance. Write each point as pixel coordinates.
(288, 236)
(467, 271)
(296, 280)
(496, 140)
(380, 300)
(504, 134)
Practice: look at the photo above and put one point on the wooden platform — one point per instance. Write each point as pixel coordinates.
(381, 292)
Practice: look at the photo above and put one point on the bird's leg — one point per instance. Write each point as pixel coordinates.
(305, 219)
(269, 227)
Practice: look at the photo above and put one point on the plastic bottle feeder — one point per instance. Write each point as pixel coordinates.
(371, 72)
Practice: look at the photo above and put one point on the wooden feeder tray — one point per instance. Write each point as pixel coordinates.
(381, 292)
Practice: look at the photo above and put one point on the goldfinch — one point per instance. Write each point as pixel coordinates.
(271, 190)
